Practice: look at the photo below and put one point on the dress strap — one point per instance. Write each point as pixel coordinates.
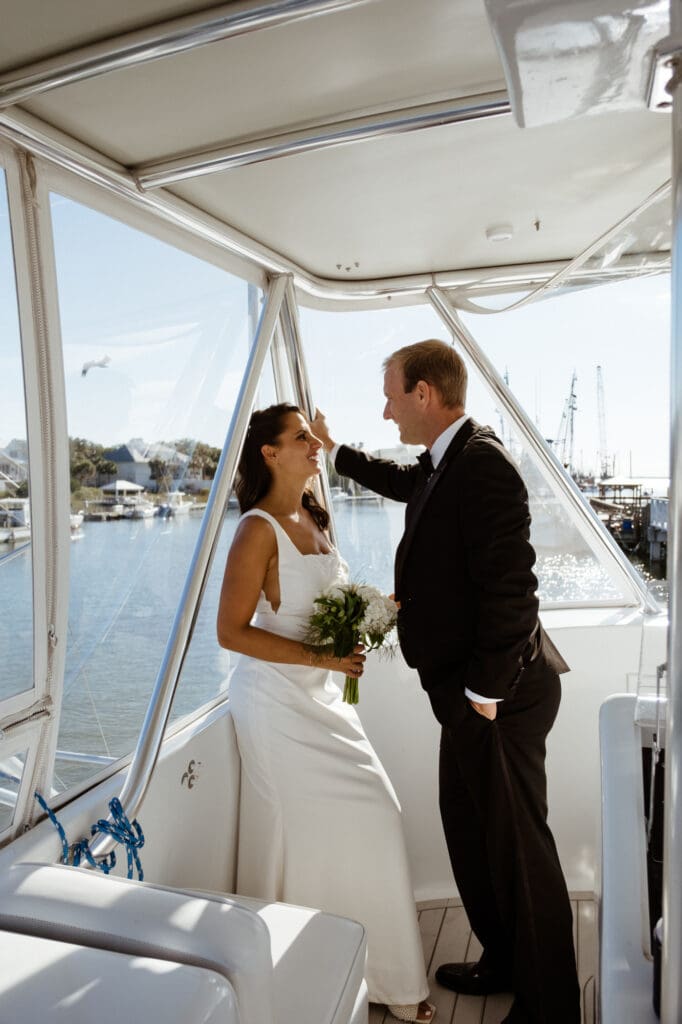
(277, 527)
(263, 514)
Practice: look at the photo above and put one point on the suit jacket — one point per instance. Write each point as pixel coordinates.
(464, 568)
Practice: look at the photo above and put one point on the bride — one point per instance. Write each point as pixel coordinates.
(319, 820)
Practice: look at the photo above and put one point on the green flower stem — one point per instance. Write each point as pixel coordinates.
(350, 690)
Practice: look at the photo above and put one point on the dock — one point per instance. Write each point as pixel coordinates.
(635, 517)
(102, 511)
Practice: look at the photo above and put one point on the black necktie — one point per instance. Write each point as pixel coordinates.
(425, 462)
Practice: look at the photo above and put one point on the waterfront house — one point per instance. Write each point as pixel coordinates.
(135, 460)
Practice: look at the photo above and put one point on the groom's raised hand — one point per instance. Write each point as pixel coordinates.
(319, 428)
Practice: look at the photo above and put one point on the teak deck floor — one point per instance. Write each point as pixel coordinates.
(447, 937)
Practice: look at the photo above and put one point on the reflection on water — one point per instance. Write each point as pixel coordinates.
(16, 619)
(570, 577)
(657, 584)
(369, 534)
(126, 579)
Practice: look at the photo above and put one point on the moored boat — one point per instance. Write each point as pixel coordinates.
(175, 505)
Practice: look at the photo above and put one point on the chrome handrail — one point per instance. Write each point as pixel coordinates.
(548, 459)
(165, 39)
(29, 132)
(293, 346)
(160, 703)
(341, 132)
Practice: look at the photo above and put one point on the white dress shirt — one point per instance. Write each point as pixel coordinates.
(442, 442)
(438, 450)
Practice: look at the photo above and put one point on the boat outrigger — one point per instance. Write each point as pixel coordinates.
(259, 200)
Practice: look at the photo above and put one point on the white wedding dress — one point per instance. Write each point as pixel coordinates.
(319, 819)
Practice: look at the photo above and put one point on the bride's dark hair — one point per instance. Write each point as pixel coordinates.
(253, 476)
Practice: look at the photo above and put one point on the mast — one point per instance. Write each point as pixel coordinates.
(564, 438)
(603, 450)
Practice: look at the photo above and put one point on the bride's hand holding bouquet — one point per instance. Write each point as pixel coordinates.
(351, 616)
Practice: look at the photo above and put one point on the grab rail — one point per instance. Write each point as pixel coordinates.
(299, 374)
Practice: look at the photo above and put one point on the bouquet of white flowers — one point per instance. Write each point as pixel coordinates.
(351, 614)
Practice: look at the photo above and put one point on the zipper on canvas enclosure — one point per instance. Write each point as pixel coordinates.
(41, 709)
(47, 439)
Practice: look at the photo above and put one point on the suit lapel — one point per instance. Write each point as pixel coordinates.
(421, 497)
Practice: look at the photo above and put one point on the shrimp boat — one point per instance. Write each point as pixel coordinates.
(200, 207)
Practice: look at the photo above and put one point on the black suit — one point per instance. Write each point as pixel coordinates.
(468, 618)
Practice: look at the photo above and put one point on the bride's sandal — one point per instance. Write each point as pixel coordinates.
(418, 1013)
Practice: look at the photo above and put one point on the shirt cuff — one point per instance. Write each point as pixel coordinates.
(333, 453)
(479, 699)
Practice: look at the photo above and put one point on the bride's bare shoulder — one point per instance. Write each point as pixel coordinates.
(255, 531)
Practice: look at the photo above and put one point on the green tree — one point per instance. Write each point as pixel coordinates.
(204, 457)
(83, 471)
(204, 460)
(88, 462)
(159, 471)
(105, 467)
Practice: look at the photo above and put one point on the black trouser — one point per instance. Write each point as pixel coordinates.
(493, 802)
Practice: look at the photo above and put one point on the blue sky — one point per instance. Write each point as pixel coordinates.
(176, 333)
(622, 327)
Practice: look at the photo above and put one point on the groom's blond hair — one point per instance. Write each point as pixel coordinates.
(436, 363)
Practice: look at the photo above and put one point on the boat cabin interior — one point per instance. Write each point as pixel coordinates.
(206, 208)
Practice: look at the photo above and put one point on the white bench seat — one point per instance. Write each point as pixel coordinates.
(287, 965)
(626, 976)
(45, 980)
(318, 964)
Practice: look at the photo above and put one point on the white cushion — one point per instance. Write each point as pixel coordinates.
(88, 908)
(44, 980)
(285, 963)
(318, 962)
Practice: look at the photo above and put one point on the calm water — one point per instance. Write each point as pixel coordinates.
(126, 578)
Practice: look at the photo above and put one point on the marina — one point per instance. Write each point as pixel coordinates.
(635, 512)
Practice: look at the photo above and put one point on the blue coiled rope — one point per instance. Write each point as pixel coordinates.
(81, 851)
(129, 835)
(58, 825)
(120, 828)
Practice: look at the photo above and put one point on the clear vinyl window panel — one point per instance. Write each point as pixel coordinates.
(591, 368)
(16, 585)
(155, 345)
(12, 768)
(355, 345)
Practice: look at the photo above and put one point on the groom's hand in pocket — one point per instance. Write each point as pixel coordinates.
(488, 711)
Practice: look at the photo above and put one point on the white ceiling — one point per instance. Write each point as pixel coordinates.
(399, 205)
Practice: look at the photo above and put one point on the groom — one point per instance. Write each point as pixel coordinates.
(468, 622)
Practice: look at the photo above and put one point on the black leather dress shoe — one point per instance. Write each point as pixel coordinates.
(472, 979)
